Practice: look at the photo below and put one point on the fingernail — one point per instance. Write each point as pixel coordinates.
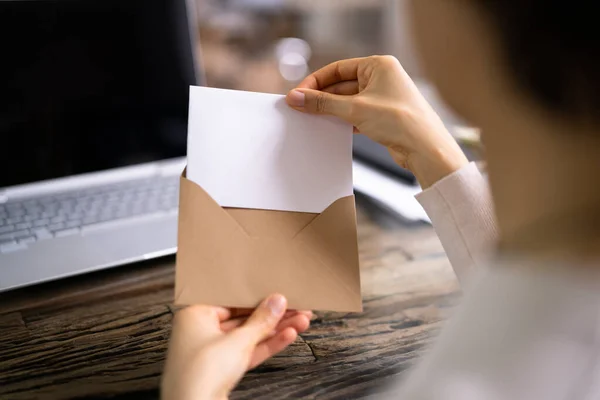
(295, 98)
(276, 304)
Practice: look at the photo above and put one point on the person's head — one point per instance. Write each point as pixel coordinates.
(527, 73)
(546, 51)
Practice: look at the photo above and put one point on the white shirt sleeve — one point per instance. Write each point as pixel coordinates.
(522, 333)
(461, 211)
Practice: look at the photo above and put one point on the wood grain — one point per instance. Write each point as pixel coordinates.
(105, 334)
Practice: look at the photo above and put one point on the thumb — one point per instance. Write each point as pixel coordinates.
(318, 102)
(264, 319)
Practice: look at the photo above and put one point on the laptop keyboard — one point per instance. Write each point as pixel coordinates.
(27, 221)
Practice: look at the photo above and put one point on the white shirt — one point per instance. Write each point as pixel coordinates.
(531, 332)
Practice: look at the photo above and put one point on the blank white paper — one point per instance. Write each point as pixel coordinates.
(251, 150)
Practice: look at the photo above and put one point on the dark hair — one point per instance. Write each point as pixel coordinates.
(552, 49)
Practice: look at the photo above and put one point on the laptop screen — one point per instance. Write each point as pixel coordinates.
(87, 85)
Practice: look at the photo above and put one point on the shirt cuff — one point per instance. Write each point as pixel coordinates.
(461, 211)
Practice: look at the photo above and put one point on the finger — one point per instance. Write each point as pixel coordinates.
(222, 313)
(346, 88)
(308, 313)
(290, 313)
(240, 315)
(243, 313)
(240, 312)
(263, 320)
(318, 102)
(339, 71)
(296, 320)
(272, 346)
(299, 322)
(200, 316)
(193, 326)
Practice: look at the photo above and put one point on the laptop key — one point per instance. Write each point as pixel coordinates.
(41, 222)
(66, 232)
(22, 234)
(23, 225)
(33, 210)
(89, 220)
(14, 220)
(7, 228)
(75, 216)
(6, 237)
(91, 212)
(43, 233)
(56, 227)
(16, 212)
(12, 235)
(73, 223)
(10, 247)
(28, 240)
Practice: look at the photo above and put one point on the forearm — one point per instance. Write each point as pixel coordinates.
(461, 210)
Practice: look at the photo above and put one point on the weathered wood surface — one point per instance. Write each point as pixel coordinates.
(105, 334)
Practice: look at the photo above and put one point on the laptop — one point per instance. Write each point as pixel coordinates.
(93, 129)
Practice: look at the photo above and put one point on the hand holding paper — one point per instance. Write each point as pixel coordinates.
(266, 205)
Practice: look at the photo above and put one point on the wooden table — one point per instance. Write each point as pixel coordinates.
(105, 334)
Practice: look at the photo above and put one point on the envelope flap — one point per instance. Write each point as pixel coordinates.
(271, 224)
(331, 238)
(193, 200)
(196, 211)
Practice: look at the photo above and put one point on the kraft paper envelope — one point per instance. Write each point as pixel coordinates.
(235, 257)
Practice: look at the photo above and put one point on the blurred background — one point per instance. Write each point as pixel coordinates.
(271, 45)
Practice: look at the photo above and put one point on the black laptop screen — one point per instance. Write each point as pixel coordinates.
(87, 85)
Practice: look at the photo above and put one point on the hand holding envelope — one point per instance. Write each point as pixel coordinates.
(266, 205)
